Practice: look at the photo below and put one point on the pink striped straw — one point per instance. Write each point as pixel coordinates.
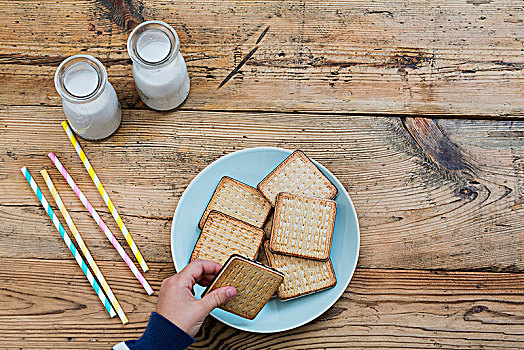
(101, 223)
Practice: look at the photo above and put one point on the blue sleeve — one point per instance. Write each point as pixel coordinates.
(161, 334)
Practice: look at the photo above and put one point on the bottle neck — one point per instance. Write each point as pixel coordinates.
(153, 45)
(80, 79)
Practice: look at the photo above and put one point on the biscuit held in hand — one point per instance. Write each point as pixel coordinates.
(177, 303)
(254, 282)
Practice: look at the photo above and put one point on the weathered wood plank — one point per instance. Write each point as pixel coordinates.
(47, 304)
(414, 212)
(456, 57)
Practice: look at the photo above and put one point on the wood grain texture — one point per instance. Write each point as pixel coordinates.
(413, 211)
(432, 195)
(400, 308)
(458, 57)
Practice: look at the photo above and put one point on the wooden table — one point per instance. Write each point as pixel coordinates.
(415, 106)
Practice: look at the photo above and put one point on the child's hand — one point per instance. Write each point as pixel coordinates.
(177, 303)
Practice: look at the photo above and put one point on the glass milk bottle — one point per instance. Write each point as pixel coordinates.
(159, 69)
(89, 100)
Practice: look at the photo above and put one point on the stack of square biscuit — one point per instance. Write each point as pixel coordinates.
(297, 235)
(301, 231)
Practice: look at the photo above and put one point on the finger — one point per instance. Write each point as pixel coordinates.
(216, 298)
(205, 280)
(206, 276)
(197, 268)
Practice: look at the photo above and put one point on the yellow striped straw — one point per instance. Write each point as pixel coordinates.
(83, 247)
(105, 197)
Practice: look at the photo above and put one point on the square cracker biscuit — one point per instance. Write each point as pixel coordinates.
(223, 236)
(297, 174)
(303, 226)
(301, 276)
(255, 285)
(241, 201)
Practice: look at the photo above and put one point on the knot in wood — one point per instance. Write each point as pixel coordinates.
(468, 193)
(478, 308)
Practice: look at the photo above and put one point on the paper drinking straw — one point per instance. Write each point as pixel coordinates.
(105, 197)
(100, 223)
(83, 247)
(68, 241)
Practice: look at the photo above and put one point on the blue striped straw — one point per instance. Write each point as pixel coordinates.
(68, 242)
(87, 254)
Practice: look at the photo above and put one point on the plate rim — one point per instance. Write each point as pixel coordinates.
(323, 168)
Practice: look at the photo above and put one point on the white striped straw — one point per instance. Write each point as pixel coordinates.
(69, 221)
(68, 242)
(101, 223)
(105, 197)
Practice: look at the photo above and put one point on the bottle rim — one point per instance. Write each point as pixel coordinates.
(153, 25)
(65, 67)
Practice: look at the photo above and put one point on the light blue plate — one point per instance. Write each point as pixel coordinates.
(250, 166)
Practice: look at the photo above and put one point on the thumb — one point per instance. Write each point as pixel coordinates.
(216, 298)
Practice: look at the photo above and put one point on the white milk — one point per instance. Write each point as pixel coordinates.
(96, 119)
(90, 102)
(159, 69)
(163, 89)
(154, 50)
(83, 82)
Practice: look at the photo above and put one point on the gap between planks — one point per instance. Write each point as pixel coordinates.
(464, 117)
(439, 271)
